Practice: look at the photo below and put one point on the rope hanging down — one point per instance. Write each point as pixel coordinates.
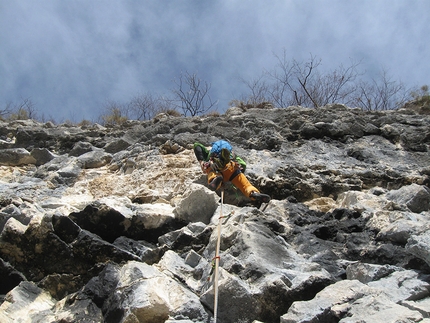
(217, 259)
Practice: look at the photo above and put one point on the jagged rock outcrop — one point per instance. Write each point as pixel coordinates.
(116, 225)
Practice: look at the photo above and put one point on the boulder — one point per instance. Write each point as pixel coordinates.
(147, 221)
(31, 248)
(16, 157)
(94, 159)
(402, 285)
(237, 302)
(368, 272)
(193, 236)
(197, 205)
(9, 277)
(251, 250)
(419, 245)
(328, 305)
(80, 148)
(30, 303)
(415, 197)
(145, 294)
(116, 146)
(401, 229)
(27, 301)
(379, 308)
(422, 306)
(42, 155)
(147, 252)
(75, 309)
(350, 301)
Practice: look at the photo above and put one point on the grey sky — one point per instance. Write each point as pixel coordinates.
(71, 56)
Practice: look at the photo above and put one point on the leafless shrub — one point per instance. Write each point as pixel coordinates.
(193, 95)
(293, 82)
(301, 83)
(172, 112)
(259, 91)
(6, 111)
(247, 105)
(115, 114)
(23, 110)
(421, 96)
(142, 107)
(381, 94)
(213, 114)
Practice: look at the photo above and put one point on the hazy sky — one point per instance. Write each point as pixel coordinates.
(71, 56)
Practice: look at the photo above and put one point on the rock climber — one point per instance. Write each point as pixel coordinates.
(222, 165)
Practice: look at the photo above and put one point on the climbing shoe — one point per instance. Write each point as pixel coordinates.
(215, 183)
(260, 197)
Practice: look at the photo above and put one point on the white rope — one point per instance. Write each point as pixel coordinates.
(217, 259)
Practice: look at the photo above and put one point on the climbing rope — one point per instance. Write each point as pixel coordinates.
(217, 259)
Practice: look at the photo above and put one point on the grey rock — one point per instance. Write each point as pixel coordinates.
(122, 212)
(422, 306)
(16, 157)
(402, 285)
(70, 171)
(197, 205)
(32, 304)
(94, 159)
(419, 245)
(327, 304)
(27, 301)
(116, 146)
(9, 277)
(350, 301)
(147, 252)
(193, 236)
(76, 309)
(80, 148)
(379, 308)
(144, 293)
(399, 231)
(366, 273)
(415, 197)
(42, 155)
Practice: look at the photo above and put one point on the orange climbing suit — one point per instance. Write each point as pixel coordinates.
(231, 173)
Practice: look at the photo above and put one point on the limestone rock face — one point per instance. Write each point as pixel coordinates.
(117, 225)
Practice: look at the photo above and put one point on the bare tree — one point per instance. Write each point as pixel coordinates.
(143, 107)
(337, 86)
(282, 89)
(259, 91)
(29, 108)
(193, 95)
(6, 111)
(25, 109)
(304, 74)
(167, 105)
(301, 83)
(381, 94)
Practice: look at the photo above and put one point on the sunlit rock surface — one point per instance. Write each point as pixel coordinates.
(116, 224)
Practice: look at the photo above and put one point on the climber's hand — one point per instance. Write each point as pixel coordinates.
(214, 167)
(204, 166)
